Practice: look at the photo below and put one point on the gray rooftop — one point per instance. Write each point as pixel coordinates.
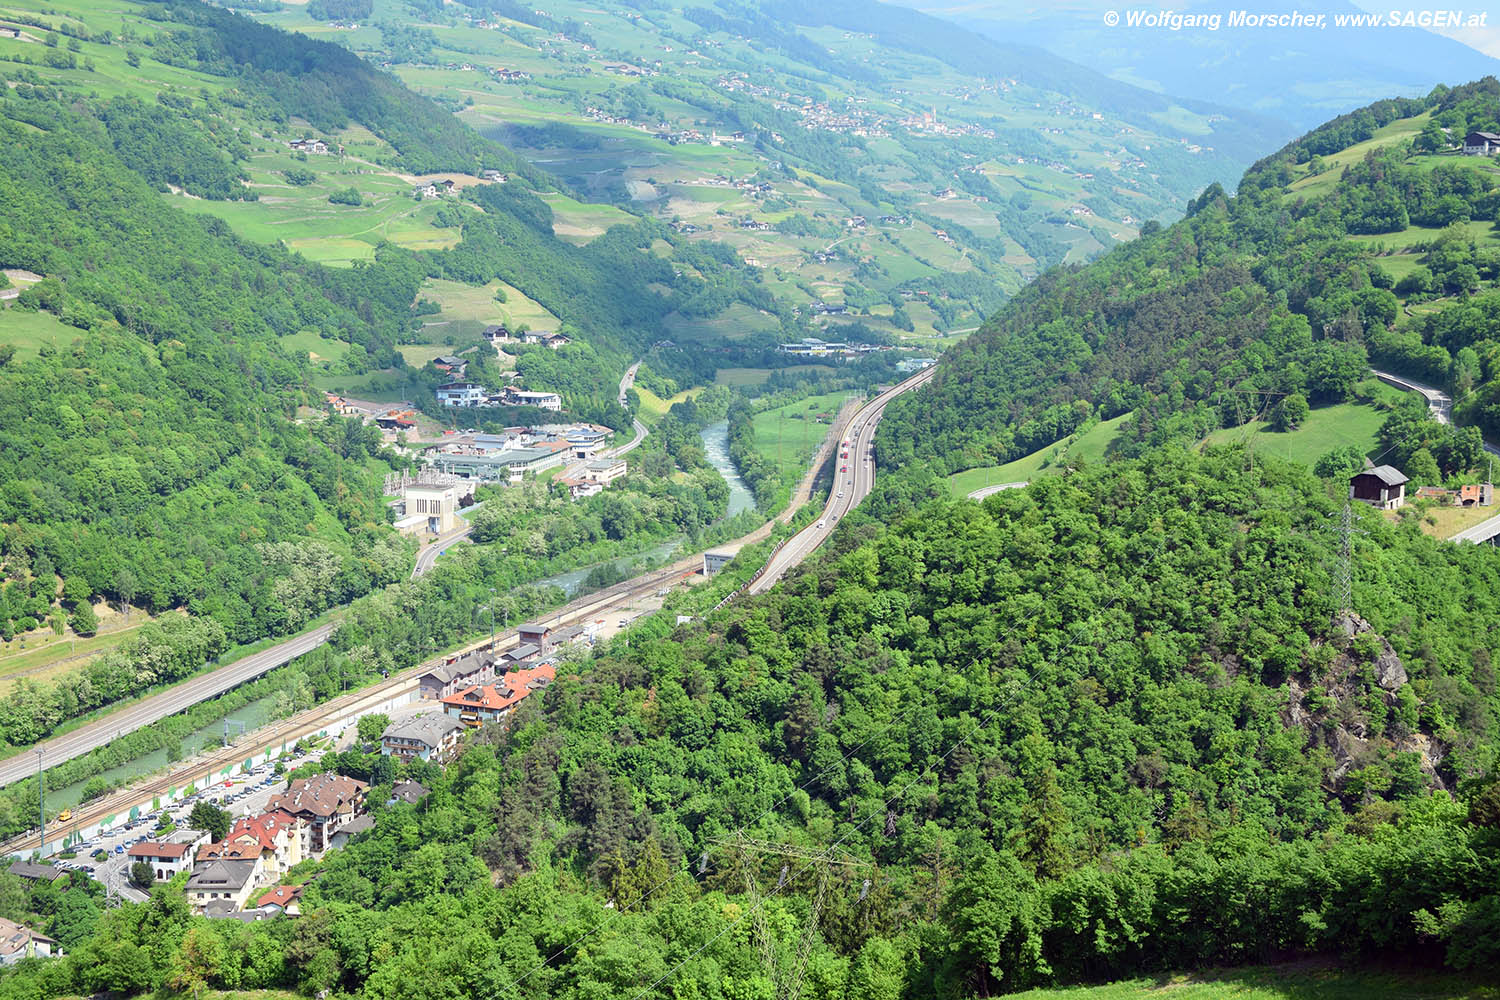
(430, 728)
(220, 875)
(1387, 474)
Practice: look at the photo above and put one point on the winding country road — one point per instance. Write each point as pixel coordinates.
(627, 381)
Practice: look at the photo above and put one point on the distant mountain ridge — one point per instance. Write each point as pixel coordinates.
(1303, 77)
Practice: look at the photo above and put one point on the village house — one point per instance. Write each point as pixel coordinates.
(432, 736)
(455, 674)
(34, 872)
(1383, 487)
(18, 942)
(541, 400)
(352, 829)
(450, 363)
(410, 792)
(282, 899)
(1481, 144)
(460, 394)
(317, 146)
(271, 839)
(166, 859)
(492, 702)
(322, 804)
(230, 881)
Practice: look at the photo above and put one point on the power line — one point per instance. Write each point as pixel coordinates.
(703, 857)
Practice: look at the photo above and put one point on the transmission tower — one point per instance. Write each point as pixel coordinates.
(787, 978)
(1343, 573)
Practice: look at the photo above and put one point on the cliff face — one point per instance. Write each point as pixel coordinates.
(1359, 706)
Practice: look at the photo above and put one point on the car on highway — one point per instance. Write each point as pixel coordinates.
(841, 494)
(820, 524)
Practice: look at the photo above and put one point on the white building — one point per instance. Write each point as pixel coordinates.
(429, 508)
(460, 394)
(541, 400)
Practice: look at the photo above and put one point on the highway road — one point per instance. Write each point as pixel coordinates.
(158, 706)
(641, 430)
(1438, 401)
(849, 487)
(188, 693)
(1481, 532)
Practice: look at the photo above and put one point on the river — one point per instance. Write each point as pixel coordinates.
(716, 450)
(252, 716)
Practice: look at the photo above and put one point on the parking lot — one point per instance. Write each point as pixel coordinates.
(243, 795)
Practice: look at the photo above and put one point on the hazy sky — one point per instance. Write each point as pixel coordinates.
(1486, 39)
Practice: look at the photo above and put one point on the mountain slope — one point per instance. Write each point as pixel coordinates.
(1303, 76)
(857, 154)
(1370, 238)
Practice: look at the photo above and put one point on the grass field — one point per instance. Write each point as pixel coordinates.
(788, 435)
(47, 655)
(1090, 446)
(1445, 522)
(28, 332)
(653, 407)
(1289, 982)
(1327, 428)
(314, 346)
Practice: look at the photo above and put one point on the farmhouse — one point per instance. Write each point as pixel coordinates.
(1481, 144)
(1383, 486)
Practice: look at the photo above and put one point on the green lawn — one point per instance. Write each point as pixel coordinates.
(788, 435)
(1289, 982)
(28, 332)
(1327, 428)
(1090, 446)
(653, 407)
(316, 347)
(742, 376)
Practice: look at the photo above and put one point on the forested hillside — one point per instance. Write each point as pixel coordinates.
(1108, 725)
(150, 447)
(1367, 241)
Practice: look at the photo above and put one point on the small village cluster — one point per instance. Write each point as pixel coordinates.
(244, 875)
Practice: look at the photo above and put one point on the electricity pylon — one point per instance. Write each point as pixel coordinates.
(787, 978)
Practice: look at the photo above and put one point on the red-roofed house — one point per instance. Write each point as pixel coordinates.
(273, 837)
(321, 805)
(283, 899)
(165, 859)
(492, 702)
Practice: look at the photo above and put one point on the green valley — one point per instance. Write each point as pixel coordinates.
(463, 364)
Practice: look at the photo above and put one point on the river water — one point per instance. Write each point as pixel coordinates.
(252, 716)
(716, 450)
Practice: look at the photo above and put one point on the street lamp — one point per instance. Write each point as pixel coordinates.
(41, 803)
(492, 621)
